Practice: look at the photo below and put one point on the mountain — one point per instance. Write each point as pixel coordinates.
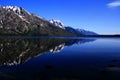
(17, 21)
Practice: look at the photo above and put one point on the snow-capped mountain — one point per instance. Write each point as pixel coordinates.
(16, 21)
(57, 23)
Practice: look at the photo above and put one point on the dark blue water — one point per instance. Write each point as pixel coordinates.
(60, 58)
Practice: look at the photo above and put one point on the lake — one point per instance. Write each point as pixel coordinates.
(59, 58)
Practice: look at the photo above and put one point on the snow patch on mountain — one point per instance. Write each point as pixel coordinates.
(57, 23)
(13, 8)
(16, 9)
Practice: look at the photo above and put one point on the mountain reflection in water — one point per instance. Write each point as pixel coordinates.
(14, 51)
(48, 58)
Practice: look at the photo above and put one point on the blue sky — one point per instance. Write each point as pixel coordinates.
(101, 16)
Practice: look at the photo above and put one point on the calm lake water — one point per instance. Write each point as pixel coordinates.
(59, 58)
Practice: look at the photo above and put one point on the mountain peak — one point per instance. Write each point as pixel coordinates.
(57, 23)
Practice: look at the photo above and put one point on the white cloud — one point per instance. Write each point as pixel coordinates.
(114, 4)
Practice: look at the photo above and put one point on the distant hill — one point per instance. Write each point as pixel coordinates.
(80, 32)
